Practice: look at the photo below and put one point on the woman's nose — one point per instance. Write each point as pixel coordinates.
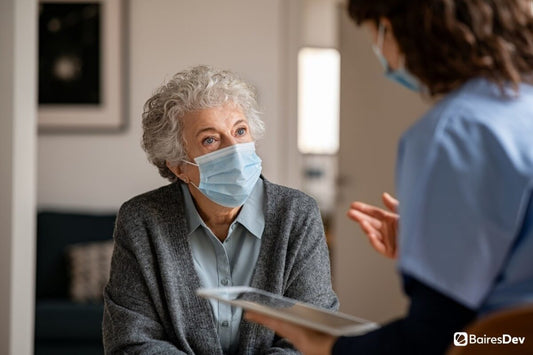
(228, 140)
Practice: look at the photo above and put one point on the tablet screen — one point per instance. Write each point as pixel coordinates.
(289, 309)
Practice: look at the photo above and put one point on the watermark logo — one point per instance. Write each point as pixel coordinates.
(460, 339)
(464, 339)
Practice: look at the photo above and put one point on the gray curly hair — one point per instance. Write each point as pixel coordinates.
(198, 88)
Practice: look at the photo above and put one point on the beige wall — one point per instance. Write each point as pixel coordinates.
(319, 23)
(17, 174)
(99, 171)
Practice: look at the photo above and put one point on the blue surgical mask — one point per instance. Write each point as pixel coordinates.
(400, 75)
(228, 175)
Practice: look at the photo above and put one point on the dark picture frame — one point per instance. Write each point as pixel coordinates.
(81, 61)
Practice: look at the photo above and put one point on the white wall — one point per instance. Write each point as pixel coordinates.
(100, 171)
(17, 174)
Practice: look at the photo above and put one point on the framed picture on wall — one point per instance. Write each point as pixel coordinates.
(81, 65)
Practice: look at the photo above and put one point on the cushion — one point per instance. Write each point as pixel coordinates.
(89, 265)
(57, 230)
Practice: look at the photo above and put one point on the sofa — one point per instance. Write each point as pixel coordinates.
(67, 324)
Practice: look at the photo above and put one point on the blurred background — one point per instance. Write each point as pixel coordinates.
(333, 123)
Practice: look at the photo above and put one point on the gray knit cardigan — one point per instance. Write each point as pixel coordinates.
(150, 301)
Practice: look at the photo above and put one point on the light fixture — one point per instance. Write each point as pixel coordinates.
(318, 100)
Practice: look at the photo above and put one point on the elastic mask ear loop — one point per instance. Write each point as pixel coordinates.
(189, 162)
(188, 180)
(379, 45)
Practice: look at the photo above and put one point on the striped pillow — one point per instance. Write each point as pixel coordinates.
(89, 265)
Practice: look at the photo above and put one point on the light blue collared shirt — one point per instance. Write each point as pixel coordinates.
(228, 263)
(465, 184)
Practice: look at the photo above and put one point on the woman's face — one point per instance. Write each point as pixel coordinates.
(211, 129)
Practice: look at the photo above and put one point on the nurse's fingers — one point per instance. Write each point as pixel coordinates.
(369, 230)
(373, 211)
(383, 243)
(376, 241)
(390, 202)
(389, 240)
(359, 217)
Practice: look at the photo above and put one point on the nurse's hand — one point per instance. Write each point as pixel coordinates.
(307, 341)
(379, 225)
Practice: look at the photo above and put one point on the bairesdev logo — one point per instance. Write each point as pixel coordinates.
(464, 339)
(460, 339)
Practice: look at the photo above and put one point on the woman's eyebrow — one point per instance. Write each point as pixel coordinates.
(239, 122)
(206, 129)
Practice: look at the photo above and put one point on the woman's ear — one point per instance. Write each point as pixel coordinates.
(176, 169)
(391, 49)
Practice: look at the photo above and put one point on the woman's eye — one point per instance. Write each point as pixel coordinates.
(209, 140)
(241, 131)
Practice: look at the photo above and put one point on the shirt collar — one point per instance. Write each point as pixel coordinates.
(251, 216)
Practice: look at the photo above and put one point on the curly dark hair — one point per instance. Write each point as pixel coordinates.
(448, 42)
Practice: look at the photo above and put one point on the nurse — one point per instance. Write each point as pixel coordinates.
(464, 171)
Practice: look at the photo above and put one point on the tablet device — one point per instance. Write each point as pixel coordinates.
(263, 302)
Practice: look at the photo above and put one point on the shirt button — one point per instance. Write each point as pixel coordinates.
(225, 324)
(225, 282)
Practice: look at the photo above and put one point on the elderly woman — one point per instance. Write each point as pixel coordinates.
(219, 223)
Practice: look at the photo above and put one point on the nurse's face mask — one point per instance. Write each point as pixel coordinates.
(400, 75)
(228, 175)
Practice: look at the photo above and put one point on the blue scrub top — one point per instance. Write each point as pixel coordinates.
(465, 184)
